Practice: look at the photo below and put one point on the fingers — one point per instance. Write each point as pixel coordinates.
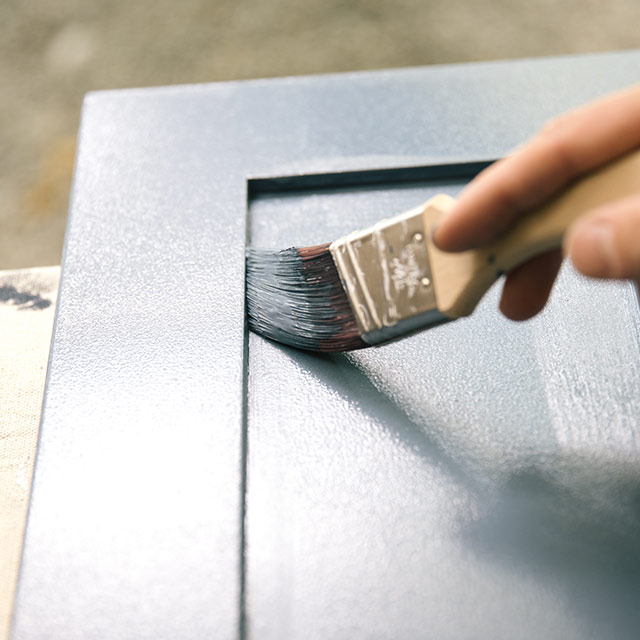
(568, 147)
(527, 288)
(606, 242)
(603, 244)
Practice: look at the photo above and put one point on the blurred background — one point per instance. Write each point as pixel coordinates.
(53, 51)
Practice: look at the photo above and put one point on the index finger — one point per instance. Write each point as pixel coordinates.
(568, 147)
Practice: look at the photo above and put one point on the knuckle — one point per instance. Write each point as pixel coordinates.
(558, 139)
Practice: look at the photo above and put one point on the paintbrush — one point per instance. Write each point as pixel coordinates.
(390, 280)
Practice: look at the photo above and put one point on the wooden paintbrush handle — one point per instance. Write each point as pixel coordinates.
(461, 279)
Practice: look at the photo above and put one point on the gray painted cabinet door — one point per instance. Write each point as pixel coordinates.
(479, 480)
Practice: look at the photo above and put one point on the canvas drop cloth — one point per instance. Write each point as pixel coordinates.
(27, 305)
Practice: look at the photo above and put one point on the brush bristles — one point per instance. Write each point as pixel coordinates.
(295, 297)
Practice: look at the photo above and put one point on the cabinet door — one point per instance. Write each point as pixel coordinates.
(477, 480)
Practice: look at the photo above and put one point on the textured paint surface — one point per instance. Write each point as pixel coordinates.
(475, 481)
(479, 480)
(134, 524)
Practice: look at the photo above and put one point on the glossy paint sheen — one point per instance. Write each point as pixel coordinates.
(478, 480)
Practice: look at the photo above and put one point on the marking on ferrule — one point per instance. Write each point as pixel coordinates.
(385, 271)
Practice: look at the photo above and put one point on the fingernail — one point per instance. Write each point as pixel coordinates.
(598, 247)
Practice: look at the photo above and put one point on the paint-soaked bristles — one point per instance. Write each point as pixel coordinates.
(295, 297)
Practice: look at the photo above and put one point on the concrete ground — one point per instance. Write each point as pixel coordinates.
(54, 51)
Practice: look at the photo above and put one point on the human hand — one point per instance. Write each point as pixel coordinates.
(604, 242)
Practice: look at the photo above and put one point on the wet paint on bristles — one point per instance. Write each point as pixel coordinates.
(294, 296)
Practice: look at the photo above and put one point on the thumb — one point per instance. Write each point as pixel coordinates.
(606, 242)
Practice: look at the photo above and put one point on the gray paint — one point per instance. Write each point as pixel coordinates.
(478, 480)
(283, 307)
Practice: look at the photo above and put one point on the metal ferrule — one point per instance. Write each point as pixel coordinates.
(386, 274)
